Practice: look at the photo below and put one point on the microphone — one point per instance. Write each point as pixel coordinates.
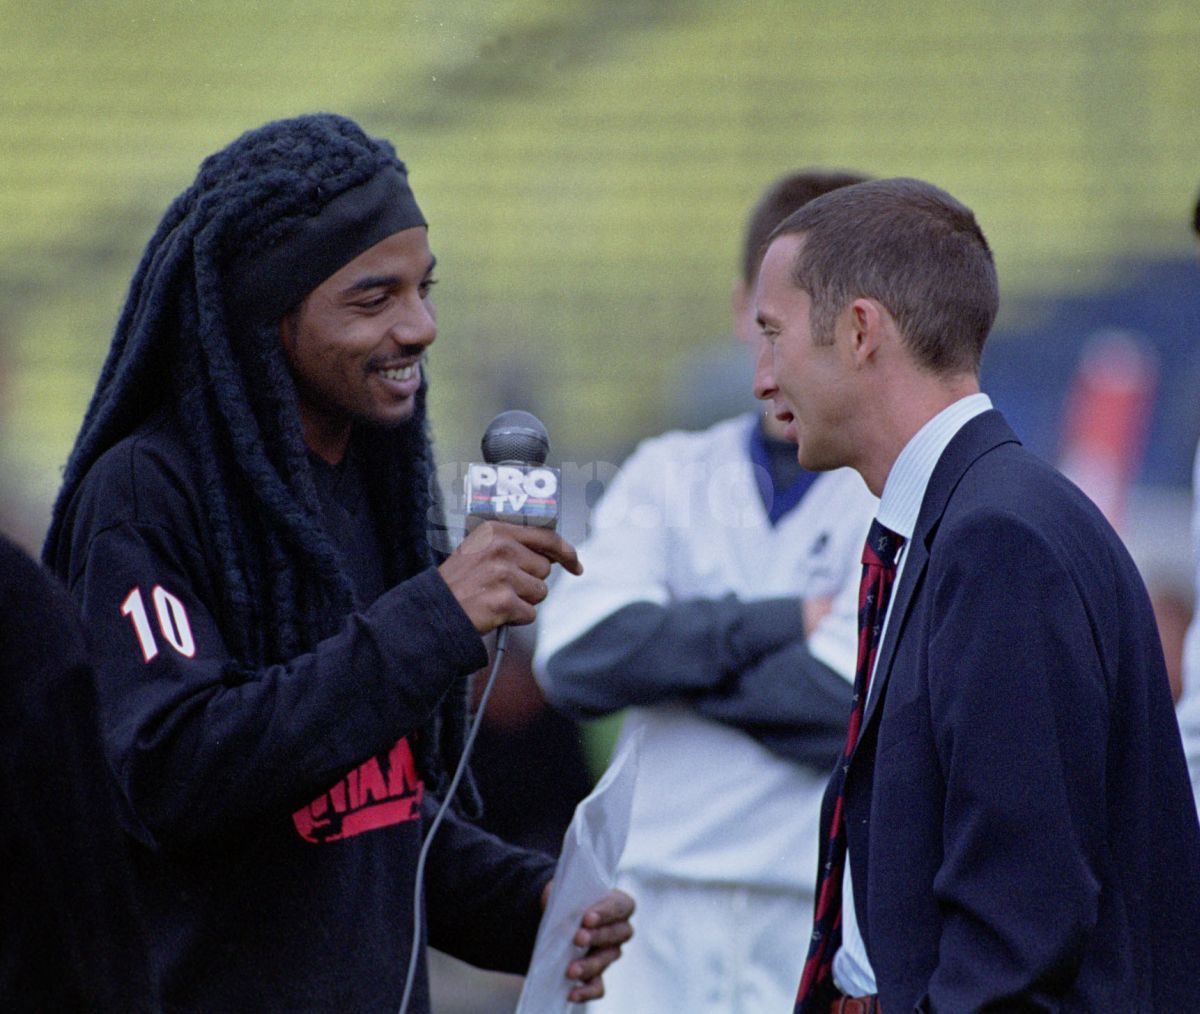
(513, 484)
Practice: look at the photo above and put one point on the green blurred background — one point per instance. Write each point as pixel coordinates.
(585, 167)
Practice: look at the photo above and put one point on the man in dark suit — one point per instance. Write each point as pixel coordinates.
(1014, 799)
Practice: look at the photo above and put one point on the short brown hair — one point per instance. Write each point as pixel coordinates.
(780, 199)
(912, 247)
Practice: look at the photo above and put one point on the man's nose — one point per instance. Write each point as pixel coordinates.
(764, 380)
(414, 324)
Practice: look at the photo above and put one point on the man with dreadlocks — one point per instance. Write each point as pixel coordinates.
(281, 654)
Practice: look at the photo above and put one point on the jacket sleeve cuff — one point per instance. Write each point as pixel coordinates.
(453, 636)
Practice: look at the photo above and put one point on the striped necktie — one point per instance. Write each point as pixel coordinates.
(879, 573)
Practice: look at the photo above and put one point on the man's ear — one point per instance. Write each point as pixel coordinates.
(870, 327)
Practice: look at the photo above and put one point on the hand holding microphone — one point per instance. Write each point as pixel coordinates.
(498, 573)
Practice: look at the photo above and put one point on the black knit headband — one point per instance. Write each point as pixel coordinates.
(265, 286)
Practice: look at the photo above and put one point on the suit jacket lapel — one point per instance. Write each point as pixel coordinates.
(978, 436)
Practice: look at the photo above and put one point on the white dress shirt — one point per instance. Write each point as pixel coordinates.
(899, 507)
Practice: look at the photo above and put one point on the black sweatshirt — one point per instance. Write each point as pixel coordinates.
(277, 817)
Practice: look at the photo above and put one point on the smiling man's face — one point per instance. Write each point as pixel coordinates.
(356, 343)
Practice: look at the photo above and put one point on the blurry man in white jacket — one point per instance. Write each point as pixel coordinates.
(710, 554)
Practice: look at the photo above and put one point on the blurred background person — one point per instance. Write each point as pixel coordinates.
(529, 761)
(705, 552)
(68, 934)
(531, 767)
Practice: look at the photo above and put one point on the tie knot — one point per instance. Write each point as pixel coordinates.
(882, 546)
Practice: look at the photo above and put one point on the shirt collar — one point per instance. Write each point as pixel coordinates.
(904, 489)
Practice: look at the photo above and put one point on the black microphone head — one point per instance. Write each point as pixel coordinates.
(515, 436)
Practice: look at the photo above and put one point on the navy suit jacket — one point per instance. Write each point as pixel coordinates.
(1019, 819)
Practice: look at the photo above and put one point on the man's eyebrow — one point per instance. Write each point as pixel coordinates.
(371, 282)
(382, 281)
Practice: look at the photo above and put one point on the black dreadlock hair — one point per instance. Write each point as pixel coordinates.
(177, 346)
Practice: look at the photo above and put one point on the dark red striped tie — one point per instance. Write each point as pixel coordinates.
(879, 573)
